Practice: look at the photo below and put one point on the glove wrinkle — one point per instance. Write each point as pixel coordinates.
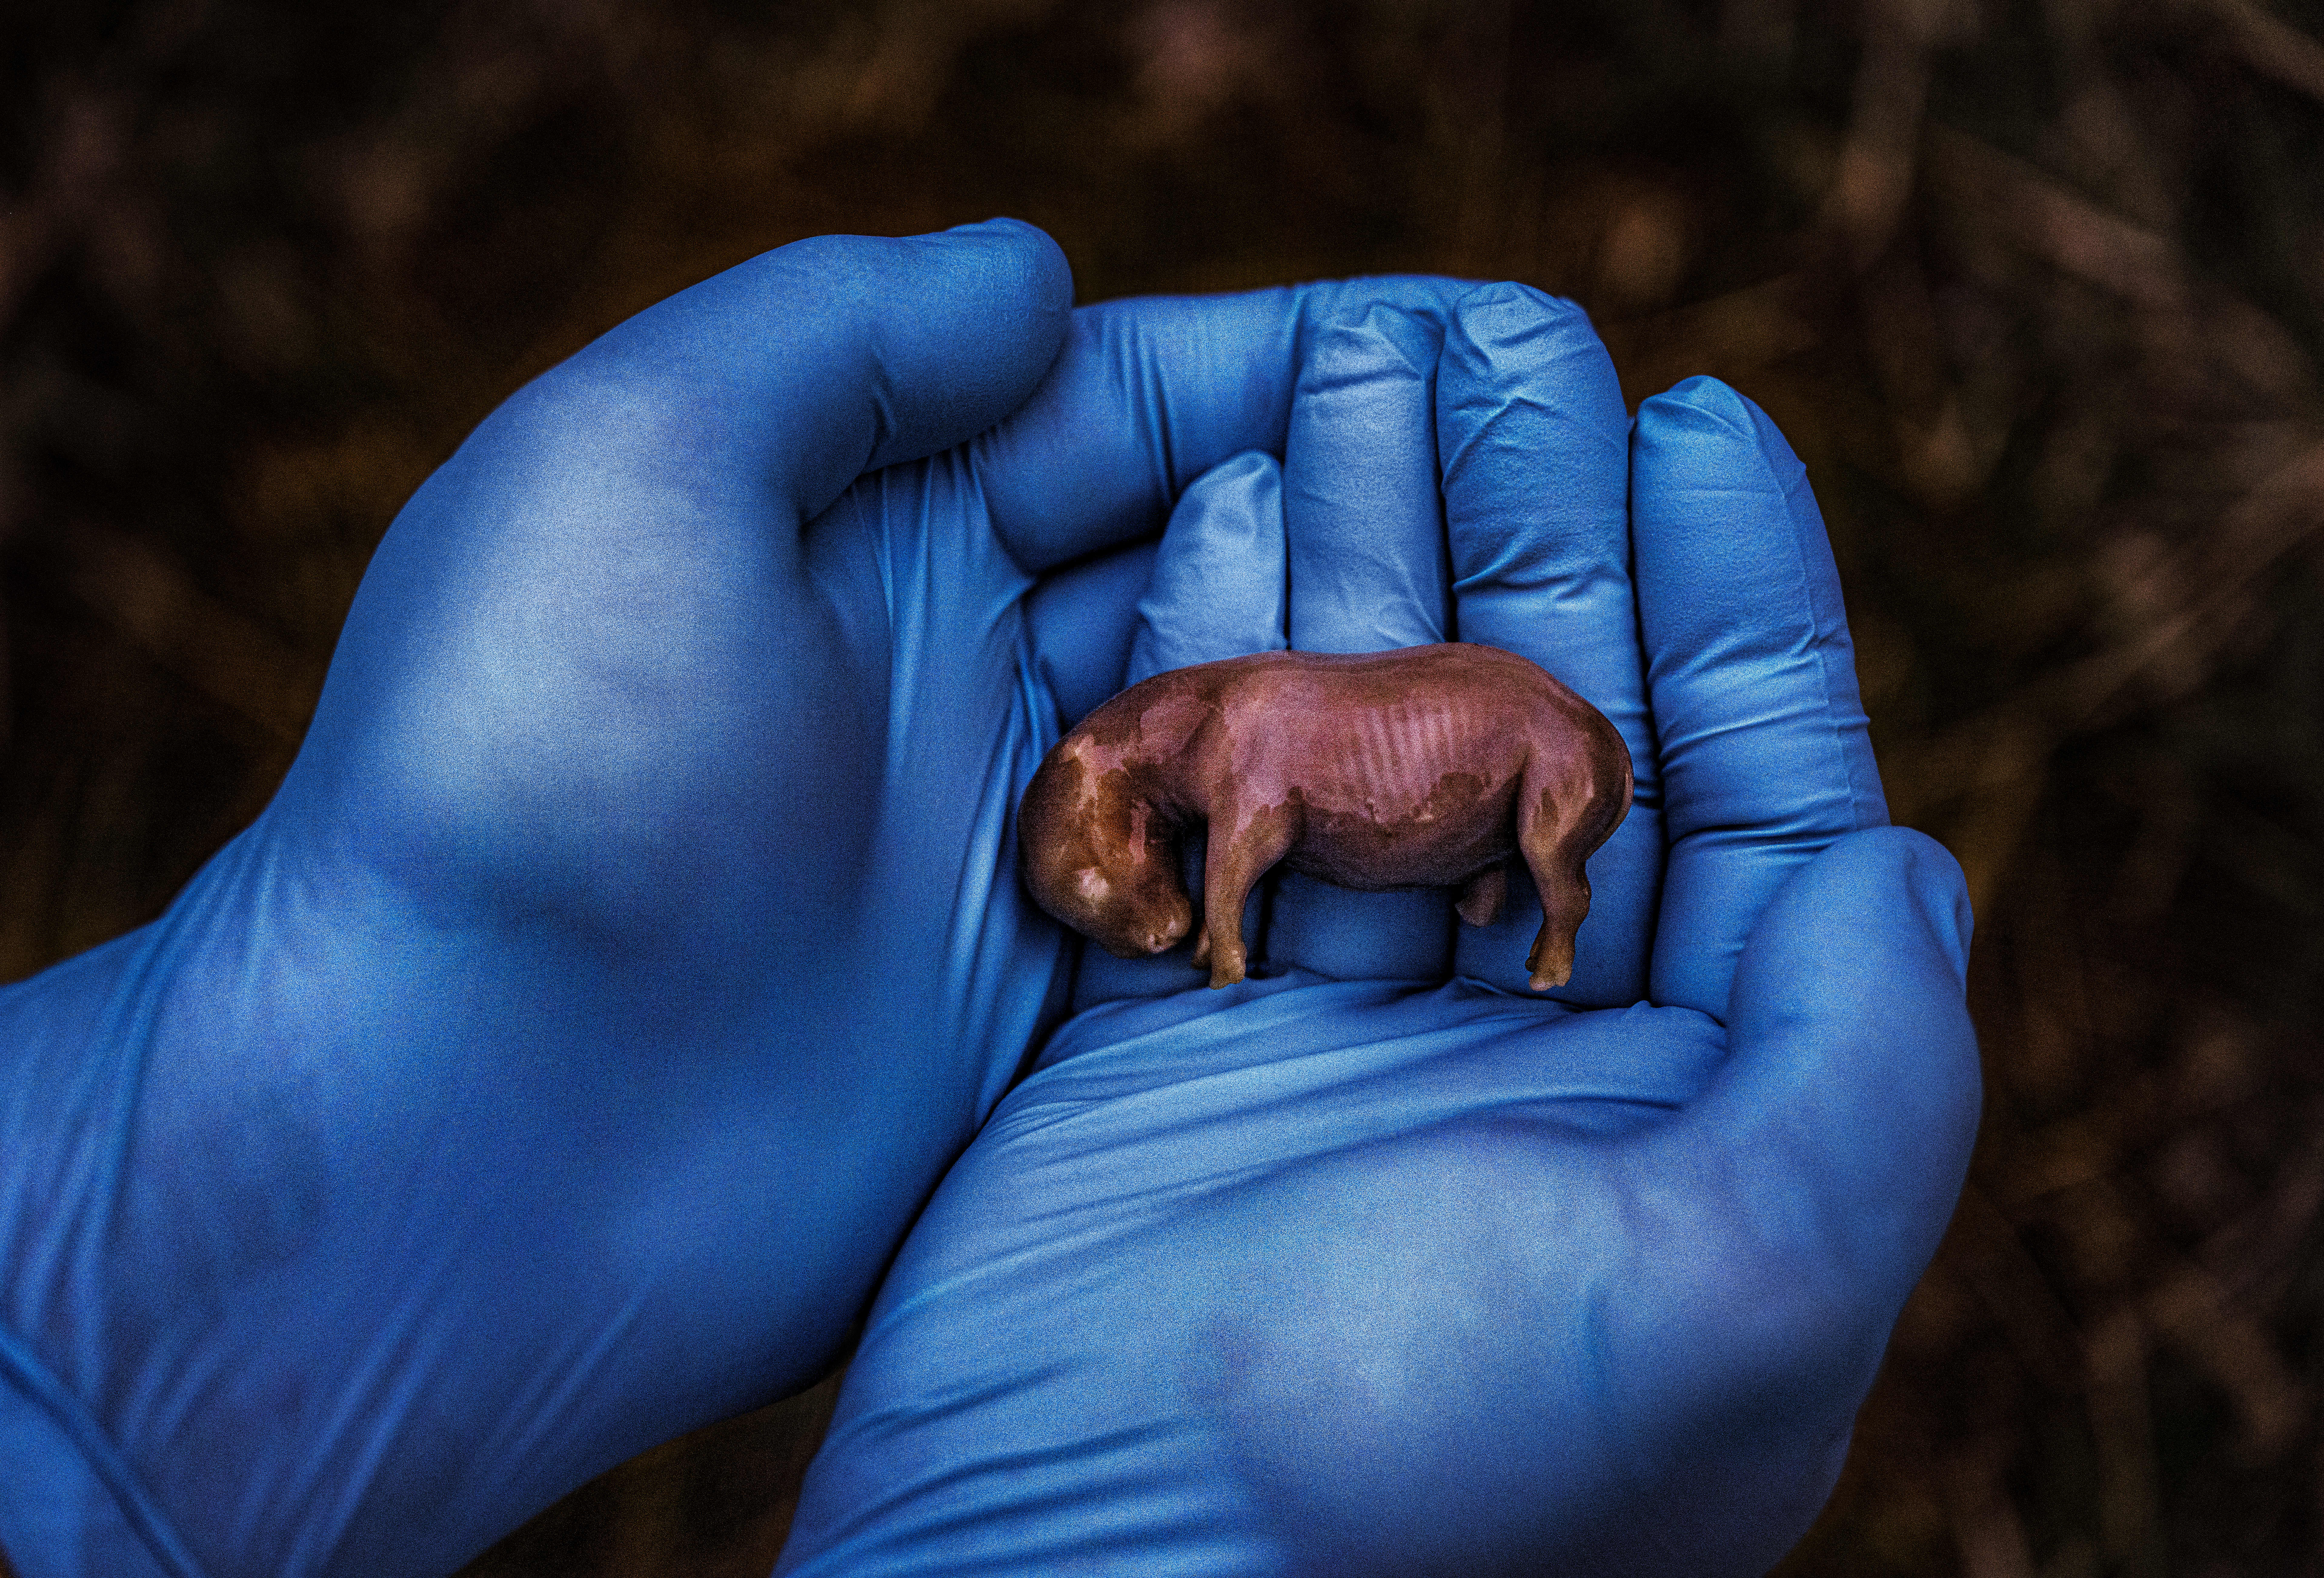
(70, 1507)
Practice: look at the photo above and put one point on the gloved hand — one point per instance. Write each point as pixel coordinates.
(559, 1060)
(1380, 1264)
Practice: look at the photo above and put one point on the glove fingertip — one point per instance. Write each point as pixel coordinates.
(996, 298)
(1510, 324)
(1385, 335)
(1017, 259)
(1703, 413)
(1218, 584)
(1700, 399)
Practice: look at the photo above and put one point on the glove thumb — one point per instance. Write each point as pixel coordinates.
(1850, 1100)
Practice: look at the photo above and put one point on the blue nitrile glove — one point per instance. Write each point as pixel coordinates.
(560, 1060)
(1375, 1265)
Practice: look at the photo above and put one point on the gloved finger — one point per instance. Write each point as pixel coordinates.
(1534, 441)
(1149, 394)
(1217, 587)
(1215, 591)
(1081, 623)
(1361, 507)
(1365, 526)
(647, 480)
(1766, 756)
(840, 355)
(1837, 1134)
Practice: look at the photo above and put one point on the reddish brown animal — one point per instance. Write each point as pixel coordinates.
(1427, 767)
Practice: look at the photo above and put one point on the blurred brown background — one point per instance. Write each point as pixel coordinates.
(2037, 290)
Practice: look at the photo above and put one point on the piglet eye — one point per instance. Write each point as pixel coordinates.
(1091, 885)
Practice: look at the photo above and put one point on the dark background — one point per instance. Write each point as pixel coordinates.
(2037, 290)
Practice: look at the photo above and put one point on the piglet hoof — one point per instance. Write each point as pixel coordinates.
(1552, 963)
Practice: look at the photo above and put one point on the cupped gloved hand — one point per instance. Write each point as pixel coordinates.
(559, 1060)
(1378, 1263)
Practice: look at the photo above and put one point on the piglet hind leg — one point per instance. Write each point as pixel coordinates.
(1565, 812)
(1484, 896)
(1565, 903)
(1242, 846)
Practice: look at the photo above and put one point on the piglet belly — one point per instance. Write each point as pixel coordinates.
(1465, 824)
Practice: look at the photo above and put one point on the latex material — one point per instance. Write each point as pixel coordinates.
(1718, 607)
(1316, 1275)
(560, 1058)
(558, 1061)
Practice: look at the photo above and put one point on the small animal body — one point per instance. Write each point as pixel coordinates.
(1425, 767)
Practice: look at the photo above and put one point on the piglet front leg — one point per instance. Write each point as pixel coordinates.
(1566, 806)
(1244, 842)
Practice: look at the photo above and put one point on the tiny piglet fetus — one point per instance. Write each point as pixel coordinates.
(1422, 768)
